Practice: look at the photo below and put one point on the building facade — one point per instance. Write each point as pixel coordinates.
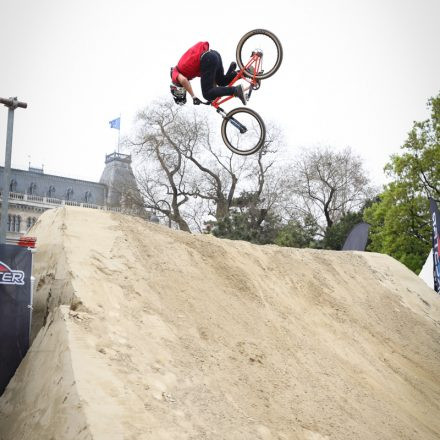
(32, 192)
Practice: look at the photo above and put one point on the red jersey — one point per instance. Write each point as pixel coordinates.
(189, 64)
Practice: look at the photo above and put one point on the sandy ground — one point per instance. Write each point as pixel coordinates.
(142, 332)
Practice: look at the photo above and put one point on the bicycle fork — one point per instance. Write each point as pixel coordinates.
(241, 128)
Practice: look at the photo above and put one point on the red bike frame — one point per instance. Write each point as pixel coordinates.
(254, 60)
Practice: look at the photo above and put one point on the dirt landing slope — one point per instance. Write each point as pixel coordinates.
(149, 333)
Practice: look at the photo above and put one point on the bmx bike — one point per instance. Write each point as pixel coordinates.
(243, 130)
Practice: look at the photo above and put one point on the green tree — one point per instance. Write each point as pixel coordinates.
(248, 226)
(400, 226)
(248, 221)
(337, 233)
(299, 234)
(400, 222)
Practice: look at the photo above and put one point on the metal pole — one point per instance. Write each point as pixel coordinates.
(12, 104)
(119, 132)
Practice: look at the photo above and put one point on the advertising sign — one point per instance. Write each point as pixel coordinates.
(435, 217)
(15, 310)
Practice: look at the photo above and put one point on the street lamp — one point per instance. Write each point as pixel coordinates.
(12, 104)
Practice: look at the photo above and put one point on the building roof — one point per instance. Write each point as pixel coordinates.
(34, 181)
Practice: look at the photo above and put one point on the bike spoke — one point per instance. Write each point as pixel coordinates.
(266, 45)
(240, 139)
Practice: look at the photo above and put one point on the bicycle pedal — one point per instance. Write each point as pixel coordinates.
(257, 85)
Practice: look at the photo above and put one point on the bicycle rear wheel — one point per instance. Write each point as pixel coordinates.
(243, 131)
(268, 43)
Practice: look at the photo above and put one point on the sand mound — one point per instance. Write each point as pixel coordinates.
(149, 333)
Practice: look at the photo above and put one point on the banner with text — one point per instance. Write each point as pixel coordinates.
(15, 310)
(435, 217)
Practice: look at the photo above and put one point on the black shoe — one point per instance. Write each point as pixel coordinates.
(232, 68)
(239, 93)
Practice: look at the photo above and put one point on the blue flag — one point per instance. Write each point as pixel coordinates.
(116, 123)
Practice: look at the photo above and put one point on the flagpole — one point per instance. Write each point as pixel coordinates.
(116, 123)
(119, 132)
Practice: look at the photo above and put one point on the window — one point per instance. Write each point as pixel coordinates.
(88, 197)
(32, 188)
(30, 222)
(51, 191)
(13, 186)
(14, 222)
(69, 194)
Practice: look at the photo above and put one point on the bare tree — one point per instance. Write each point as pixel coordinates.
(265, 190)
(185, 168)
(326, 184)
(218, 172)
(162, 187)
(266, 169)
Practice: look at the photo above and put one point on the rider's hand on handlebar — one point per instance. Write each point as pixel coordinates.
(196, 101)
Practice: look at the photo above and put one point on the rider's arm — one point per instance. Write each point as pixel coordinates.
(183, 80)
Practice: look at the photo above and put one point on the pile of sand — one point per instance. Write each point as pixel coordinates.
(149, 333)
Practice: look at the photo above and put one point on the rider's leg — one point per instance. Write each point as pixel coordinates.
(223, 80)
(209, 64)
(220, 78)
(232, 68)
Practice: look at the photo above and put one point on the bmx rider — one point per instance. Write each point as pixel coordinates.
(200, 61)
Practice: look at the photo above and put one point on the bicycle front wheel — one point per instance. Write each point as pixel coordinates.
(243, 131)
(266, 42)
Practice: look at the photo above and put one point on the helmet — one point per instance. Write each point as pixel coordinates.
(179, 94)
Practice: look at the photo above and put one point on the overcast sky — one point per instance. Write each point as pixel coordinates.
(355, 72)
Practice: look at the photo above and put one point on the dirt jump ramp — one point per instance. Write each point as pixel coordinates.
(142, 332)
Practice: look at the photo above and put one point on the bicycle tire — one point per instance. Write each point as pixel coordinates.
(259, 120)
(278, 45)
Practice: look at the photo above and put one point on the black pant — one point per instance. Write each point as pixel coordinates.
(213, 75)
